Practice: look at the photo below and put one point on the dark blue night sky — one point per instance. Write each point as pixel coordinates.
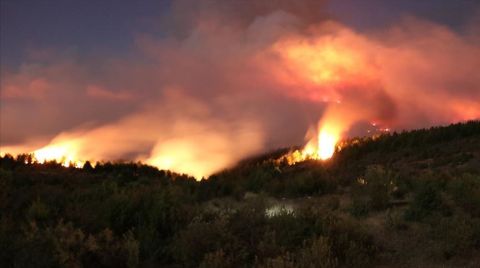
(109, 26)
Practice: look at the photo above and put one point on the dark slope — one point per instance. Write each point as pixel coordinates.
(441, 150)
(400, 200)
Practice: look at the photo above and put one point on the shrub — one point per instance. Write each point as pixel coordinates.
(194, 242)
(66, 246)
(290, 230)
(333, 203)
(360, 207)
(465, 190)
(427, 201)
(456, 234)
(5, 179)
(282, 261)
(33, 249)
(318, 254)
(352, 245)
(38, 211)
(395, 221)
(372, 192)
(216, 259)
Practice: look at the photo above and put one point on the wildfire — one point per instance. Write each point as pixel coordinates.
(321, 147)
(63, 149)
(326, 144)
(63, 153)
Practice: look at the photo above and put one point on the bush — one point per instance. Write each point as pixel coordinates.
(194, 242)
(427, 201)
(282, 261)
(38, 211)
(314, 253)
(465, 190)
(395, 221)
(199, 238)
(373, 191)
(350, 243)
(34, 250)
(290, 230)
(457, 235)
(360, 207)
(318, 254)
(5, 179)
(66, 246)
(216, 259)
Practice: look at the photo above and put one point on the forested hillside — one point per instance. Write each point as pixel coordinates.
(407, 199)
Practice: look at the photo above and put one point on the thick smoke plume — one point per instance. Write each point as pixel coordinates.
(232, 78)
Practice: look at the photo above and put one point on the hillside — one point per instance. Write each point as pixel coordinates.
(408, 199)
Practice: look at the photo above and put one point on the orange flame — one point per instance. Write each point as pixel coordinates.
(320, 67)
(326, 144)
(64, 149)
(64, 153)
(321, 147)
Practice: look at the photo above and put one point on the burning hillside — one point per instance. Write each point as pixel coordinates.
(229, 80)
(240, 133)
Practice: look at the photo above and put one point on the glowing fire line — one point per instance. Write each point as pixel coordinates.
(61, 153)
(322, 147)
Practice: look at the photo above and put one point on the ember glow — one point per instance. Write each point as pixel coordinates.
(227, 81)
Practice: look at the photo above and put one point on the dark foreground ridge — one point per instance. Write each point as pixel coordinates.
(401, 200)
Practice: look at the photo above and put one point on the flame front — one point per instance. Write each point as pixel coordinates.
(63, 153)
(321, 147)
(320, 69)
(64, 149)
(199, 124)
(326, 144)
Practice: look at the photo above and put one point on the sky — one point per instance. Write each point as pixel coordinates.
(109, 27)
(197, 85)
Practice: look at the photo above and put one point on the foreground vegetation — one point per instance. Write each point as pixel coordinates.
(399, 200)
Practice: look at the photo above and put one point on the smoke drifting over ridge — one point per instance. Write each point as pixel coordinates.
(233, 78)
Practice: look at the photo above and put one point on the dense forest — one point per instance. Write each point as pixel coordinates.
(409, 199)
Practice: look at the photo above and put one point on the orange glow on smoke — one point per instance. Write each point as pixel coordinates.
(321, 64)
(408, 77)
(319, 67)
(183, 156)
